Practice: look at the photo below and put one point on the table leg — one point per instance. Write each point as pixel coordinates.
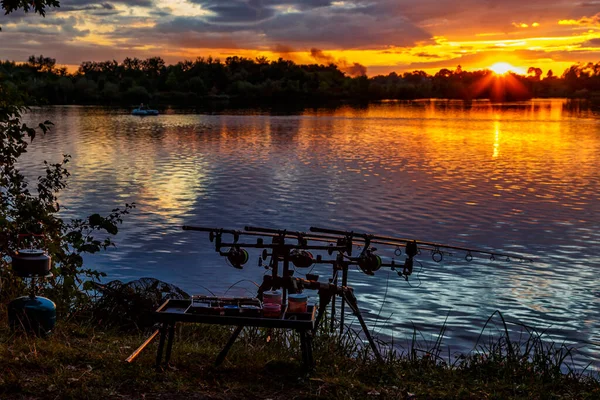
(306, 348)
(303, 345)
(137, 352)
(309, 353)
(170, 342)
(161, 344)
(223, 353)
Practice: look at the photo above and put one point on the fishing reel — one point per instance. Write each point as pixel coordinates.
(236, 256)
(301, 258)
(263, 257)
(369, 262)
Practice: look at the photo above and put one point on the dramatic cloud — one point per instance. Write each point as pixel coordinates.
(72, 5)
(333, 27)
(381, 35)
(86, 7)
(238, 12)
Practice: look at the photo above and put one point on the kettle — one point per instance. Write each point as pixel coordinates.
(28, 263)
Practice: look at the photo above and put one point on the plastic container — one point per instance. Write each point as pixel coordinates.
(271, 310)
(272, 297)
(250, 310)
(297, 303)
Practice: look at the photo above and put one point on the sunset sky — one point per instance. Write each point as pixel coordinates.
(383, 35)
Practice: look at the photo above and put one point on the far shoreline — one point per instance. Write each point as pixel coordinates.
(294, 108)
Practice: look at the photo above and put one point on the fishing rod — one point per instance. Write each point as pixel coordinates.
(237, 255)
(290, 247)
(437, 254)
(266, 232)
(368, 261)
(283, 233)
(335, 239)
(302, 237)
(277, 234)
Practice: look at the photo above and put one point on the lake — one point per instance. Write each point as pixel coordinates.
(519, 177)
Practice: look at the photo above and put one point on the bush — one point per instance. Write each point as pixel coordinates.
(34, 210)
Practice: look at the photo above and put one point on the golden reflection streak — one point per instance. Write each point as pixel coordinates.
(496, 140)
(168, 186)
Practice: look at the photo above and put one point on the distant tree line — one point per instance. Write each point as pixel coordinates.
(246, 81)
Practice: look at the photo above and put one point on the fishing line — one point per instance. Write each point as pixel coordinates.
(417, 276)
(208, 290)
(240, 281)
(387, 282)
(383, 325)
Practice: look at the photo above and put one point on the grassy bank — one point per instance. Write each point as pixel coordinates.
(83, 361)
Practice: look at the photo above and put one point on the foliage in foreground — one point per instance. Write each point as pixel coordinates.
(83, 361)
(34, 210)
(27, 210)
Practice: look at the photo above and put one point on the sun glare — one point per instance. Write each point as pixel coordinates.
(501, 68)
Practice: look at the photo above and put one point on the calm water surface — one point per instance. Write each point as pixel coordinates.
(521, 177)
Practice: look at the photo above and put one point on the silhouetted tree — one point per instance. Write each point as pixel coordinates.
(248, 81)
(536, 73)
(41, 63)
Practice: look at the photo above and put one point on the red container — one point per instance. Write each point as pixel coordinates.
(271, 310)
(272, 297)
(297, 303)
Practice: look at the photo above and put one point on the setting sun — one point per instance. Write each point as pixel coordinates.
(502, 68)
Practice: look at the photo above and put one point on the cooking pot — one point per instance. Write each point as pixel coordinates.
(31, 263)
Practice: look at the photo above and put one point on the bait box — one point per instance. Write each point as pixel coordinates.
(212, 305)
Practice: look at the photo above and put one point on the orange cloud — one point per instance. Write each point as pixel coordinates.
(524, 25)
(585, 21)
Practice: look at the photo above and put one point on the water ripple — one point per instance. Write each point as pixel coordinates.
(517, 178)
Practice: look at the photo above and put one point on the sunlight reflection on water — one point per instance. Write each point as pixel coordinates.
(519, 177)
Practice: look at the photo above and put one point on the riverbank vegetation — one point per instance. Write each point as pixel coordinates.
(84, 360)
(242, 81)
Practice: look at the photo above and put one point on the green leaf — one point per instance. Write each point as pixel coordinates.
(111, 228)
(95, 220)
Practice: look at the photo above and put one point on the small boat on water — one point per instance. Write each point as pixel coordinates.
(144, 111)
